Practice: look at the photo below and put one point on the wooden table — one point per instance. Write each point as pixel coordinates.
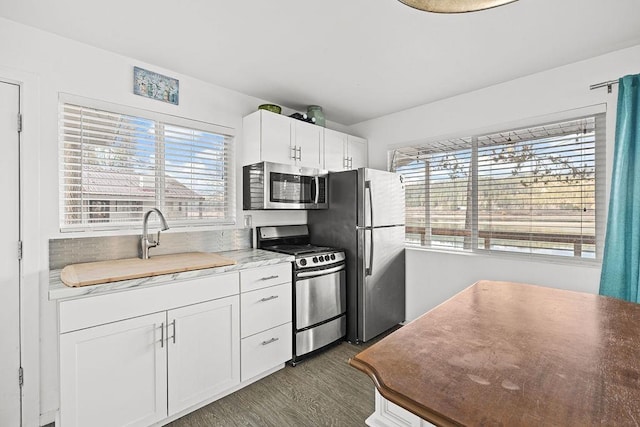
(508, 354)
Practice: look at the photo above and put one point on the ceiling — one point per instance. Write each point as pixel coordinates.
(359, 59)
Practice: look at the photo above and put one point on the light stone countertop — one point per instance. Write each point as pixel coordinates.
(245, 258)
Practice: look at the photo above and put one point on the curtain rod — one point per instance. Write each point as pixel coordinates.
(603, 84)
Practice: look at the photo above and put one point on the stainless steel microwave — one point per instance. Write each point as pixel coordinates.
(267, 185)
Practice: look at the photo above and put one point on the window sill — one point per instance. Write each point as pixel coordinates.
(516, 257)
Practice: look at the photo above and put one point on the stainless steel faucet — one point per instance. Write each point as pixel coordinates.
(145, 243)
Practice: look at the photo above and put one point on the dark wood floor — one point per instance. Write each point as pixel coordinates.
(321, 391)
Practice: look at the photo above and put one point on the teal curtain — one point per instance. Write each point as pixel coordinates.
(620, 275)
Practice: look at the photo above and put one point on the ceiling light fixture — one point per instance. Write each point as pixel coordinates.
(454, 6)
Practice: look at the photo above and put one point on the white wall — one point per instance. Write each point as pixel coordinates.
(48, 65)
(433, 276)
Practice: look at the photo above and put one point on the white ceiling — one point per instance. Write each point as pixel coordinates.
(359, 59)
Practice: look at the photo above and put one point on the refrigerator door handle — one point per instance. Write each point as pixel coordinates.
(369, 270)
(367, 186)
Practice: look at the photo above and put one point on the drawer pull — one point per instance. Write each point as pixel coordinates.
(268, 298)
(274, 339)
(269, 277)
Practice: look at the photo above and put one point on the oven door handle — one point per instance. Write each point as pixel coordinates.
(306, 274)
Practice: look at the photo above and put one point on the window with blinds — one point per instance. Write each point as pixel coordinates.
(535, 190)
(116, 165)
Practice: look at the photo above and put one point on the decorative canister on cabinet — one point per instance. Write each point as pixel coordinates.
(315, 112)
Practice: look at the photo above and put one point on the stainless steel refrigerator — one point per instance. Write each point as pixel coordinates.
(366, 219)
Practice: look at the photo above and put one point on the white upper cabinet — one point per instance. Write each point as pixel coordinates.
(277, 138)
(307, 139)
(334, 150)
(356, 152)
(343, 152)
(273, 137)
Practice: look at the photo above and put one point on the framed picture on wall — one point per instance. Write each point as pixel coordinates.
(155, 86)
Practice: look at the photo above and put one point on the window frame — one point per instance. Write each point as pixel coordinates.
(160, 120)
(600, 136)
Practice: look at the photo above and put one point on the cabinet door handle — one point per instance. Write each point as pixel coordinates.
(300, 153)
(162, 335)
(267, 342)
(294, 153)
(268, 298)
(350, 162)
(345, 163)
(269, 277)
(173, 323)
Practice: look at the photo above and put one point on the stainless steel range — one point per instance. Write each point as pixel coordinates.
(319, 288)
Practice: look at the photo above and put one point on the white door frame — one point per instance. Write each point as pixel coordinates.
(11, 388)
(33, 274)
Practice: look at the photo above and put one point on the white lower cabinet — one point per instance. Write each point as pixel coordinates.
(138, 371)
(203, 344)
(267, 329)
(115, 374)
(141, 357)
(265, 308)
(266, 350)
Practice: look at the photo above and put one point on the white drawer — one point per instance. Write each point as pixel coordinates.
(265, 308)
(261, 277)
(266, 350)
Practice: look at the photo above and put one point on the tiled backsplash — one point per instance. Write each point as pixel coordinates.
(88, 249)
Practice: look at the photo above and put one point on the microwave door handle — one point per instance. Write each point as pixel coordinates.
(312, 190)
(316, 182)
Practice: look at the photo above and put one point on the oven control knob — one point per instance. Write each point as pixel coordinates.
(303, 262)
(321, 258)
(333, 256)
(315, 259)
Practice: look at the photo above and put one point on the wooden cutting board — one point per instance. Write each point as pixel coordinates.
(93, 273)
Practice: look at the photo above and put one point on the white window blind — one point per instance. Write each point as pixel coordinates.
(115, 166)
(437, 189)
(536, 190)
